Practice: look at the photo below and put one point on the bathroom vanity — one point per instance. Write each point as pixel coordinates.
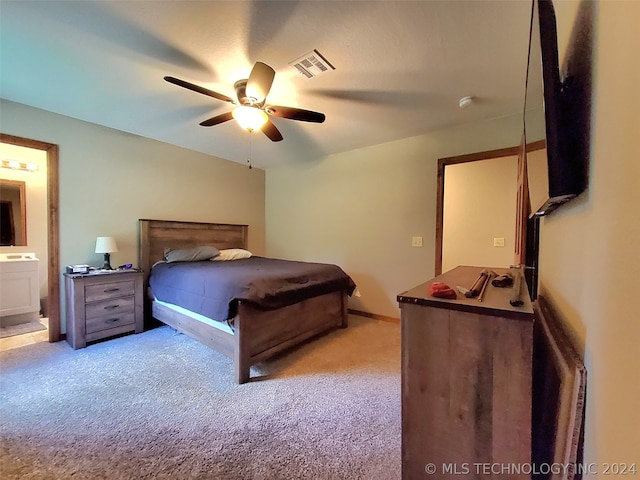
(19, 288)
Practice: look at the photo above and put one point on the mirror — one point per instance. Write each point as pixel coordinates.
(482, 232)
(13, 213)
(537, 185)
(534, 119)
(497, 225)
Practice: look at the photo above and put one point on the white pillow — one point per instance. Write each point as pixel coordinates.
(232, 254)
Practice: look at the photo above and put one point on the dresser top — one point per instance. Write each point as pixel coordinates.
(495, 300)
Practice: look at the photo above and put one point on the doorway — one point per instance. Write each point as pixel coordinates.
(513, 156)
(478, 164)
(53, 235)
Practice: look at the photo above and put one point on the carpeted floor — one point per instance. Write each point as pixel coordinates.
(21, 328)
(160, 405)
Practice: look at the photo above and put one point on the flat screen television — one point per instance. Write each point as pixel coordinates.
(562, 104)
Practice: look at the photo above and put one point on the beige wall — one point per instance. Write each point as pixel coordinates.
(109, 179)
(361, 208)
(589, 254)
(36, 205)
(479, 205)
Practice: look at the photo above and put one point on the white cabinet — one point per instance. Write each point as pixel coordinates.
(19, 286)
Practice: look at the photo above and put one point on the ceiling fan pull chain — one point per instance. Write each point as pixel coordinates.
(250, 149)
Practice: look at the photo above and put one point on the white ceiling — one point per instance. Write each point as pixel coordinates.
(400, 67)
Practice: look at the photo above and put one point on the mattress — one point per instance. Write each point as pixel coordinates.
(224, 326)
(213, 289)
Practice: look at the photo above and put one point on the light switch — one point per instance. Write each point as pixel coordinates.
(498, 242)
(416, 241)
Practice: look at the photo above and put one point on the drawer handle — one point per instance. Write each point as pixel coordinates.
(111, 307)
(112, 320)
(109, 290)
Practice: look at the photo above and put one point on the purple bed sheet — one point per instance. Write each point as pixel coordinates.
(213, 289)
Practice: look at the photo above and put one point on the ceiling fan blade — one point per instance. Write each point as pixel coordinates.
(271, 131)
(225, 117)
(259, 82)
(199, 89)
(296, 114)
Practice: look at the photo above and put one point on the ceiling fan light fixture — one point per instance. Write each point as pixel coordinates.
(250, 111)
(250, 118)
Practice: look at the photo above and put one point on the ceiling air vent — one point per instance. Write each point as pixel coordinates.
(312, 64)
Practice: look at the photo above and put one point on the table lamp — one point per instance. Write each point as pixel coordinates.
(106, 245)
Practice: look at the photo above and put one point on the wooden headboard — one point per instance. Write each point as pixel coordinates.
(156, 235)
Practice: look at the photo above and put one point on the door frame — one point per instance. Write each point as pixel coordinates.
(514, 151)
(442, 163)
(53, 227)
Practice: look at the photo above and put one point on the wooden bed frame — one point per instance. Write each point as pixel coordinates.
(257, 334)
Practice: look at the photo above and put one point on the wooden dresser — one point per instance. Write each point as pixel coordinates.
(103, 305)
(466, 381)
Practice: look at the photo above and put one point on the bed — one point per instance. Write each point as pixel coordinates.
(253, 333)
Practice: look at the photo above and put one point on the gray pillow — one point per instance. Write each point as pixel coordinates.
(195, 254)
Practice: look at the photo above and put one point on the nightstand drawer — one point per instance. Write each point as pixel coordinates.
(109, 321)
(109, 290)
(113, 306)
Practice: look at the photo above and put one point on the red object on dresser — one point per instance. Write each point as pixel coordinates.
(441, 290)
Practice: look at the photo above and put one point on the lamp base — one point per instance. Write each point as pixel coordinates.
(107, 262)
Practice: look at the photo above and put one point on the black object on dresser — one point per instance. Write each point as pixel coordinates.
(102, 305)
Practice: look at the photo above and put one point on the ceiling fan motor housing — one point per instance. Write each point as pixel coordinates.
(241, 92)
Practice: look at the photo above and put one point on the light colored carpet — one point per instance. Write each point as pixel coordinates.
(160, 405)
(21, 328)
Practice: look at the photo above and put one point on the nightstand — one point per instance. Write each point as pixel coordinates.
(101, 305)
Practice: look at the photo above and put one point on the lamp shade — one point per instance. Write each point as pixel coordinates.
(249, 118)
(106, 245)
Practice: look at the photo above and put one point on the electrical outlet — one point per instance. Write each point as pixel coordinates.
(498, 242)
(416, 241)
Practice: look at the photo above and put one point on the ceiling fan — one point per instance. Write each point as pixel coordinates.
(251, 112)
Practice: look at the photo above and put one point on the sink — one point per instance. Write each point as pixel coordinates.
(13, 257)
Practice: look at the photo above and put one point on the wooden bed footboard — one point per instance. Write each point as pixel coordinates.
(257, 334)
(260, 334)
